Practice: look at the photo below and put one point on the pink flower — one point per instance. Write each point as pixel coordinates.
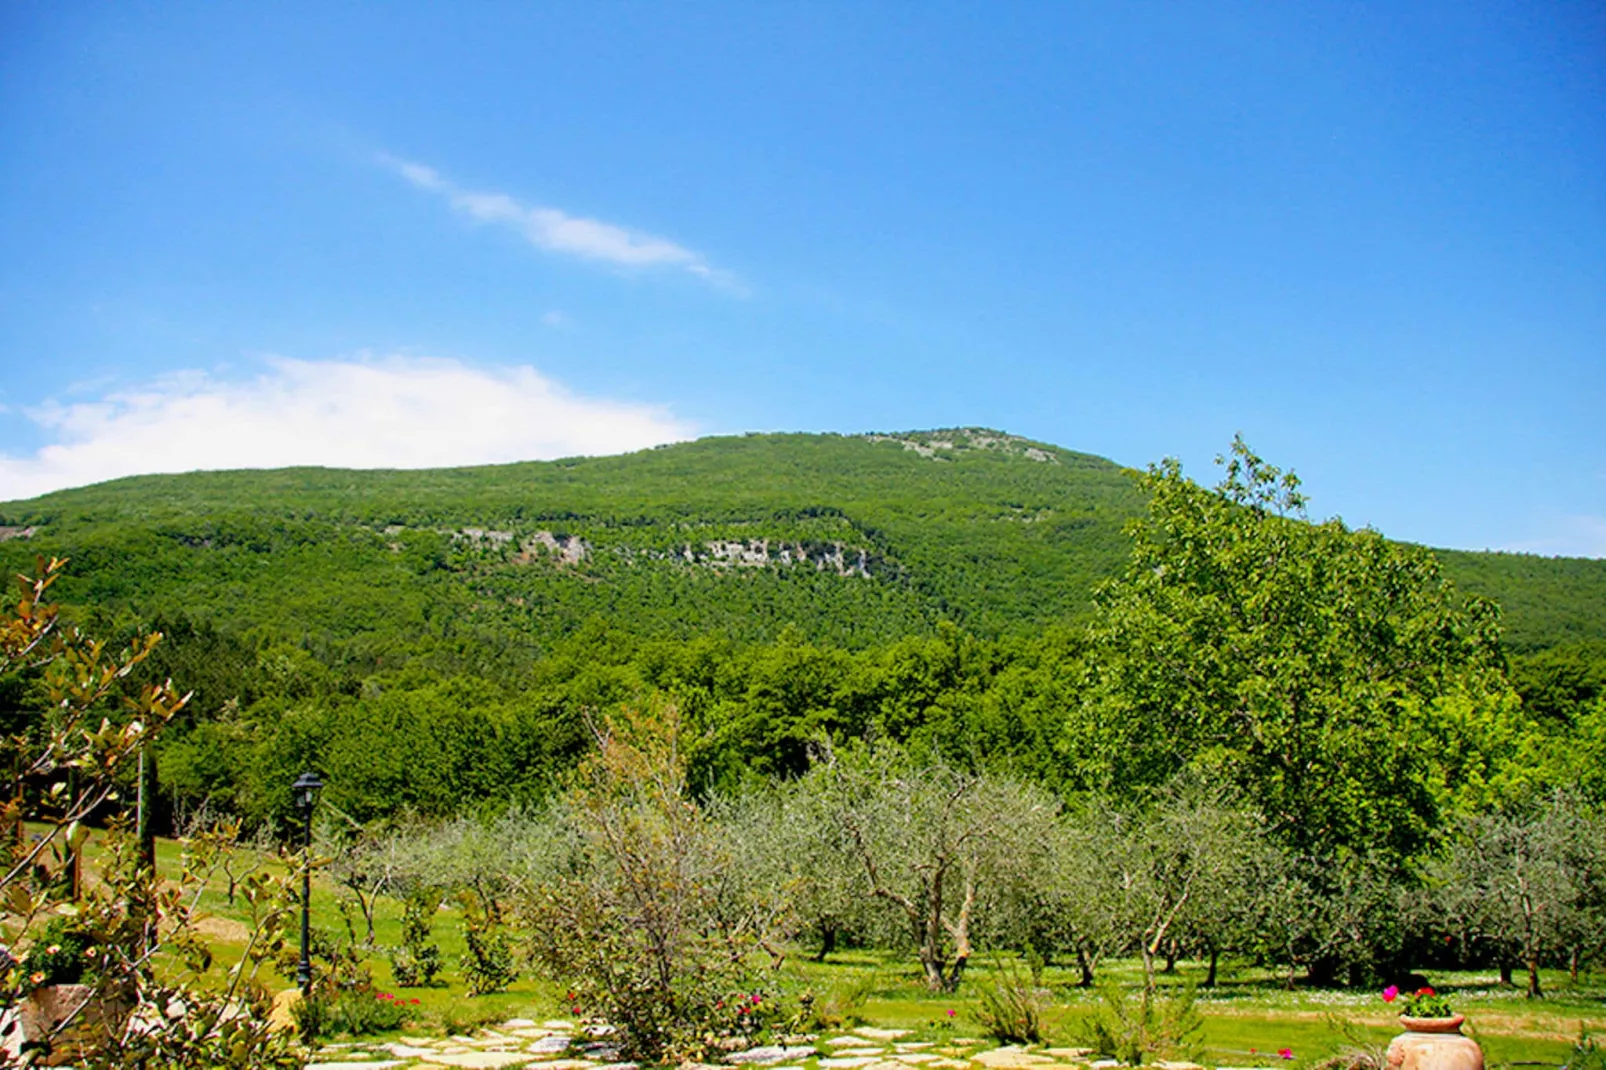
(1285, 1053)
(950, 1012)
(1391, 993)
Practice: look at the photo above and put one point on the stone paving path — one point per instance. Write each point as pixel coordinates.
(564, 1045)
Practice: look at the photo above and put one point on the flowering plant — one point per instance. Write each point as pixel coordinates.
(1423, 1003)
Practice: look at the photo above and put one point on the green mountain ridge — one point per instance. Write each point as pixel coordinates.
(847, 540)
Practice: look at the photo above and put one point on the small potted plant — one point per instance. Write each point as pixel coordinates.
(1432, 1037)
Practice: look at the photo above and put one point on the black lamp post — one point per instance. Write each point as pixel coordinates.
(305, 790)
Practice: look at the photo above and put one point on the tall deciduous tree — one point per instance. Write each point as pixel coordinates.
(1300, 663)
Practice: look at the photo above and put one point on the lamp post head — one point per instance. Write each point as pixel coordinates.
(305, 790)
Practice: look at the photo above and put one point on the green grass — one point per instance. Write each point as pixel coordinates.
(1248, 1015)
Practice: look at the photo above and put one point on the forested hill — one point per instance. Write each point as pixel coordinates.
(844, 540)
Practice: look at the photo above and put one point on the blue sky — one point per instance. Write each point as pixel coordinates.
(1372, 238)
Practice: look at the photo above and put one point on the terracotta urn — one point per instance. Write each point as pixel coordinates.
(1434, 1044)
(43, 1012)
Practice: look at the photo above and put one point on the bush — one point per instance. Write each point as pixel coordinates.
(354, 1012)
(655, 931)
(841, 1007)
(1129, 1031)
(1012, 1009)
(59, 955)
(417, 962)
(488, 965)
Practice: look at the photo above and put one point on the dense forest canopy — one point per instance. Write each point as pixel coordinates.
(435, 639)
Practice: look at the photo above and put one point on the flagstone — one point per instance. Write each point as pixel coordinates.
(518, 1023)
(914, 1058)
(881, 1034)
(407, 1051)
(566, 1064)
(478, 1060)
(912, 1045)
(552, 1042)
(768, 1055)
(846, 1062)
(558, 1023)
(1011, 1057)
(349, 1065)
(851, 1042)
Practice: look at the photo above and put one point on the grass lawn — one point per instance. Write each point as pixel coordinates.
(1248, 1015)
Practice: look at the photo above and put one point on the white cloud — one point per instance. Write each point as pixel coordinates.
(558, 232)
(395, 412)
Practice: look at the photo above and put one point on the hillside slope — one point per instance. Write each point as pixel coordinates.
(849, 540)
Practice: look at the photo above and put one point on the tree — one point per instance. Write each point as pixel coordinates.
(1300, 663)
(1184, 866)
(1525, 883)
(649, 922)
(939, 846)
(66, 763)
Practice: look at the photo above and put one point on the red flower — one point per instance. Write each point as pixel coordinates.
(413, 1001)
(1426, 992)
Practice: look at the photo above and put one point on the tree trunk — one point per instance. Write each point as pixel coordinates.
(1572, 964)
(367, 905)
(827, 941)
(1171, 951)
(1084, 964)
(1210, 978)
(1505, 973)
(1533, 978)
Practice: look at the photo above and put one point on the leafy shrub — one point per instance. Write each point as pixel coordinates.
(843, 1005)
(1587, 1053)
(1128, 1029)
(60, 955)
(354, 1012)
(488, 965)
(418, 961)
(1012, 1009)
(654, 930)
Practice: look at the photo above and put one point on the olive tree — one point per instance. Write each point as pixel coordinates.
(939, 847)
(1525, 883)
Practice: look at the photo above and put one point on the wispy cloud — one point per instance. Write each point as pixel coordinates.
(558, 232)
(392, 412)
